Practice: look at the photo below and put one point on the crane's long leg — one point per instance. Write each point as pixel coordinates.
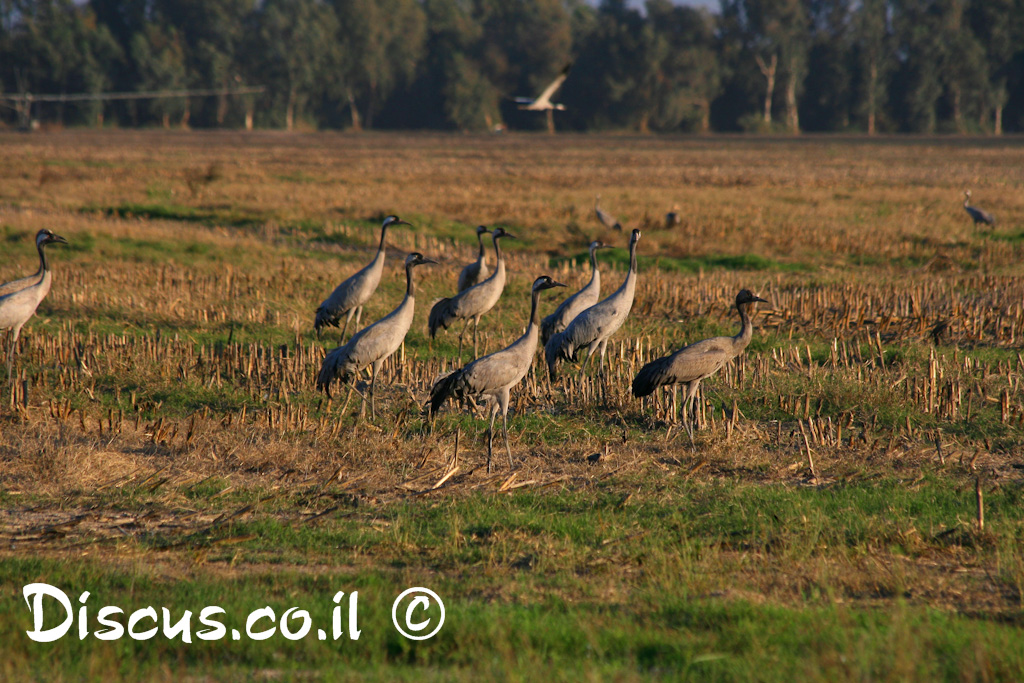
(347, 319)
(461, 335)
(503, 406)
(359, 315)
(490, 435)
(601, 373)
(476, 326)
(10, 358)
(374, 369)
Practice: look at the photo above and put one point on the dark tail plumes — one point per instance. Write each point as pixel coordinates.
(553, 353)
(547, 328)
(440, 316)
(324, 319)
(443, 389)
(651, 376)
(333, 363)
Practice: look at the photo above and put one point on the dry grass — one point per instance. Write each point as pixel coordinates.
(175, 353)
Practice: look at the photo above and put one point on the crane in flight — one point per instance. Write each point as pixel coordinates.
(543, 101)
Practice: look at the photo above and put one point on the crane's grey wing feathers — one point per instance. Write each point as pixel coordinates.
(19, 284)
(471, 275)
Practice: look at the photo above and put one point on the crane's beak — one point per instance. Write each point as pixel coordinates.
(557, 284)
(58, 238)
(427, 260)
(401, 222)
(510, 236)
(757, 298)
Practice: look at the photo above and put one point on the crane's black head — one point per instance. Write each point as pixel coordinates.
(393, 220)
(746, 297)
(635, 236)
(417, 259)
(481, 229)
(500, 232)
(545, 282)
(45, 236)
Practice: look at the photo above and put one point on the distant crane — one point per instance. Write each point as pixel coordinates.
(477, 271)
(592, 328)
(607, 220)
(375, 343)
(580, 301)
(979, 215)
(349, 297)
(690, 364)
(20, 298)
(472, 303)
(493, 376)
(673, 219)
(543, 101)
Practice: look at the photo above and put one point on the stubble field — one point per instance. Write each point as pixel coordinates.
(162, 443)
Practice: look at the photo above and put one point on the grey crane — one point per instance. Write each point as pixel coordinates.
(20, 298)
(580, 301)
(978, 215)
(493, 376)
(592, 328)
(472, 303)
(375, 343)
(477, 271)
(690, 364)
(607, 220)
(349, 297)
(672, 218)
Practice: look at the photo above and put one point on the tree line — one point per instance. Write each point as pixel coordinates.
(919, 66)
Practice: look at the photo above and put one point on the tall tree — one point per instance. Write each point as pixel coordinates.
(872, 42)
(159, 57)
(296, 41)
(689, 75)
(382, 43)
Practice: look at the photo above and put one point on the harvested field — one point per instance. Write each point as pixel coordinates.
(851, 507)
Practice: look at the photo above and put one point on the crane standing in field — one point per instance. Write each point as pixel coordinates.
(673, 219)
(580, 301)
(976, 214)
(690, 364)
(349, 297)
(607, 220)
(592, 328)
(472, 303)
(477, 271)
(375, 343)
(493, 376)
(20, 298)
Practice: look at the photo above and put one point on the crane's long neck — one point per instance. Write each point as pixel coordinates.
(966, 199)
(43, 265)
(482, 254)
(595, 274)
(410, 285)
(497, 251)
(746, 328)
(383, 234)
(534, 310)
